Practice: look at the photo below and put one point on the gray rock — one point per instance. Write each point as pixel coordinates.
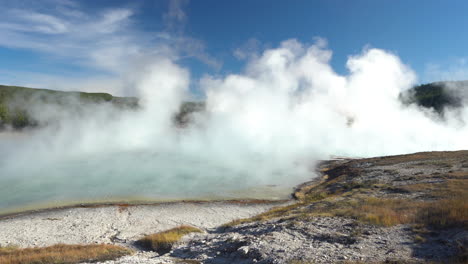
(243, 250)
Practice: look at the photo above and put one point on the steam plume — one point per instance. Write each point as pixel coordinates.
(267, 125)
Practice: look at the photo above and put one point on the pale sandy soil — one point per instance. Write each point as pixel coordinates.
(117, 224)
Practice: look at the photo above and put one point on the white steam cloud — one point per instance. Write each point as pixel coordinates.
(265, 126)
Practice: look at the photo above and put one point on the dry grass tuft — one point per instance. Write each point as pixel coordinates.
(445, 213)
(162, 242)
(62, 254)
(187, 261)
(8, 249)
(385, 212)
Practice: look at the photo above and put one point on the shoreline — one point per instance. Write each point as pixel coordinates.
(14, 214)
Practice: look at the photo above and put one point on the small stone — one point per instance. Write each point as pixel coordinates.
(243, 250)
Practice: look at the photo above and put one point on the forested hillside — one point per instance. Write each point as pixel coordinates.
(16, 102)
(437, 95)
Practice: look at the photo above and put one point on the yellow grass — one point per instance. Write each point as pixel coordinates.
(61, 254)
(389, 212)
(386, 212)
(7, 249)
(445, 213)
(163, 241)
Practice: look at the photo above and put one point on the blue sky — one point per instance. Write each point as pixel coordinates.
(89, 45)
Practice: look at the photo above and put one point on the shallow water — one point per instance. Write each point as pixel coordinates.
(131, 177)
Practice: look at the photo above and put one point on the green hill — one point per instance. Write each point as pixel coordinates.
(15, 102)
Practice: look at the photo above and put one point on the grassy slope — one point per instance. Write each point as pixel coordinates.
(425, 188)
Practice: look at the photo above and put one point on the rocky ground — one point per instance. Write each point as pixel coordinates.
(398, 209)
(119, 224)
(324, 240)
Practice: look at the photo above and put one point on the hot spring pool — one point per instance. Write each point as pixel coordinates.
(135, 177)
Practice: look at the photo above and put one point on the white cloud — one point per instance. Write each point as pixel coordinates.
(75, 36)
(113, 20)
(41, 23)
(107, 40)
(176, 18)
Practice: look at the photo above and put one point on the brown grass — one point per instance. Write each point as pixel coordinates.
(451, 207)
(186, 261)
(389, 212)
(8, 249)
(445, 213)
(62, 254)
(385, 212)
(162, 242)
(423, 158)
